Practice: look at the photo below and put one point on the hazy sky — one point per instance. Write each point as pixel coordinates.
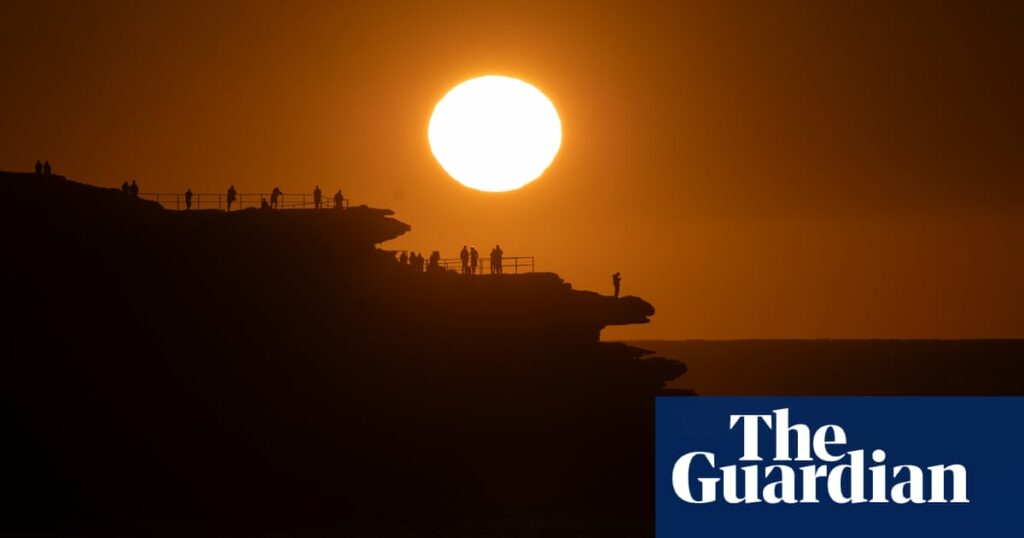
(754, 169)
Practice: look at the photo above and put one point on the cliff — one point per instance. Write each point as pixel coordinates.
(278, 365)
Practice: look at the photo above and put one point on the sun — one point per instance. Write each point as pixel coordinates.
(495, 133)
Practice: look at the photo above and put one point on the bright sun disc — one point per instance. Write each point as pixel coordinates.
(494, 133)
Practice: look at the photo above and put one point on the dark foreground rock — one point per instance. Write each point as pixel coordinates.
(277, 367)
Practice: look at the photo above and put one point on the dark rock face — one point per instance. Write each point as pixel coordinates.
(276, 365)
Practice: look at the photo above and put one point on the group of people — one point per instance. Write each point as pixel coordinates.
(274, 203)
(132, 189)
(318, 199)
(470, 260)
(419, 263)
(43, 169)
(469, 255)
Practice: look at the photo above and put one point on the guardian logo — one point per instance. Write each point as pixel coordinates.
(841, 474)
(838, 466)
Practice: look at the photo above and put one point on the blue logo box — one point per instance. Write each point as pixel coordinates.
(823, 466)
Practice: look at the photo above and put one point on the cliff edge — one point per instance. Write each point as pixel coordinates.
(278, 364)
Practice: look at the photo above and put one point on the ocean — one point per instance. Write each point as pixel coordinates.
(845, 367)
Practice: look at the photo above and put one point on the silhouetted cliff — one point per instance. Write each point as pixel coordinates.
(277, 365)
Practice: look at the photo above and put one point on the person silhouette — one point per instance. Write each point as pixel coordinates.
(133, 188)
(188, 199)
(274, 195)
(46, 168)
(474, 258)
(435, 262)
(403, 258)
(39, 168)
(616, 282)
(496, 263)
(464, 256)
(317, 197)
(232, 193)
(264, 204)
(339, 200)
(125, 188)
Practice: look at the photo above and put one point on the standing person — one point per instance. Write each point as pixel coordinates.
(46, 168)
(317, 197)
(188, 199)
(39, 168)
(126, 188)
(464, 255)
(274, 195)
(435, 262)
(474, 258)
(134, 189)
(616, 282)
(232, 194)
(339, 200)
(403, 258)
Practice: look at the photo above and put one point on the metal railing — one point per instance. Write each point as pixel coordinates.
(509, 265)
(243, 200)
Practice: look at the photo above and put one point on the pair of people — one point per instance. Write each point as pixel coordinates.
(470, 258)
(43, 169)
(414, 260)
(434, 264)
(318, 198)
(131, 190)
(496, 257)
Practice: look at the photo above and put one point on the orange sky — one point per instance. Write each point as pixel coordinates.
(772, 170)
